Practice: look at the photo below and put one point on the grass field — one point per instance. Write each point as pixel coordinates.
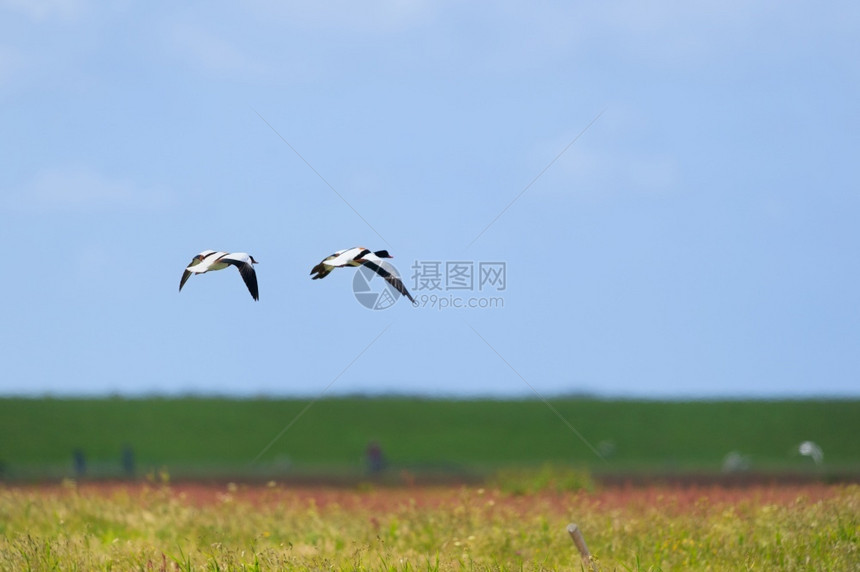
(538, 479)
(134, 527)
(208, 435)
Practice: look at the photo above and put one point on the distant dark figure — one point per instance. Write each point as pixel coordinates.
(80, 462)
(128, 461)
(375, 459)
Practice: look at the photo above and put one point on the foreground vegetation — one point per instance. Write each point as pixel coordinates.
(209, 435)
(272, 528)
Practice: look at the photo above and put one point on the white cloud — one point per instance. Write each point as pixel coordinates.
(10, 63)
(693, 34)
(80, 188)
(40, 10)
(270, 39)
(210, 52)
(590, 171)
(604, 162)
(363, 17)
(662, 33)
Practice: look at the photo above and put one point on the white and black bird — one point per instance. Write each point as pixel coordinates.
(360, 256)
(212, 260)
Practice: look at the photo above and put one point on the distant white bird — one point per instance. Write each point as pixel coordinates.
(811, 449)
(361, 256)
(734, 462)
(212, 260)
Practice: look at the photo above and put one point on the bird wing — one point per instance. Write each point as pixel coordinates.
(185, 276)
(387, 272)
(236, 257)
(243, 263)
(194, 262)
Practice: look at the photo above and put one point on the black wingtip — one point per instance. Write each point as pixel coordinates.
(185, 276)
(249, 276)
(318, 269)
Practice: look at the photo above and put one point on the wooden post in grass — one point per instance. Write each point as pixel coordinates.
(576, 535)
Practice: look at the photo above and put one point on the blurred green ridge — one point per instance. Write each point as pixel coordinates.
(424, 434)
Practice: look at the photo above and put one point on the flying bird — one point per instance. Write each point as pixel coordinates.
(212, 260)
(360, 256)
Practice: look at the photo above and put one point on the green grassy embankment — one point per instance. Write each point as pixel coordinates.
(37, 436)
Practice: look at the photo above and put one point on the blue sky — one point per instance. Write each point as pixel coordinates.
(699, 239)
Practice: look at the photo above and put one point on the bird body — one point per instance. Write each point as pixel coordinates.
(216, 260)
(346, 257)
(361, 256)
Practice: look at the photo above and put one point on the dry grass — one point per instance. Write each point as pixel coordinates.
(229, 527)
